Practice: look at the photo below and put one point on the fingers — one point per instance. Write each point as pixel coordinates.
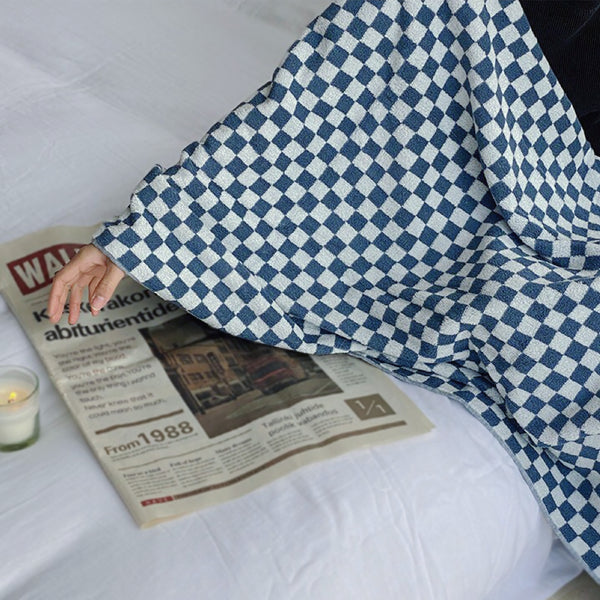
(89, 268)
(106, 287)
(63, 280)
(92, 286)
(75, 303)
(58, 296)
(56, 302)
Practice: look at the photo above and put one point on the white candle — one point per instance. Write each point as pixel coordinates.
(19, 408)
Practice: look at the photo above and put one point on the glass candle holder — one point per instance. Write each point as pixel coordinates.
(19, 408)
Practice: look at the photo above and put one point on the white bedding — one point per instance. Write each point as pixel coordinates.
(93, 94)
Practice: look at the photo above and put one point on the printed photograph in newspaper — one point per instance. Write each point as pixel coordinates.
(211, 370)
(179, 415)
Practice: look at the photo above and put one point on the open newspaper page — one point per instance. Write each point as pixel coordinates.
(182, 416)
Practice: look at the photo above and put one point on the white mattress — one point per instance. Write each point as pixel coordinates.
(93, 94)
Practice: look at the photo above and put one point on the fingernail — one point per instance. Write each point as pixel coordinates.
(98, 302)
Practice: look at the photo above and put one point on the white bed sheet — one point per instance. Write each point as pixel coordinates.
(93, 94)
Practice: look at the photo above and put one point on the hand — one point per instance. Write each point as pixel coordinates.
(88, 268)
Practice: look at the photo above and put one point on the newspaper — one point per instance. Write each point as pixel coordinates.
(181, 416)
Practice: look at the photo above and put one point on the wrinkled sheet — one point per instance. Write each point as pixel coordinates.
(413, 187)
(93, 95)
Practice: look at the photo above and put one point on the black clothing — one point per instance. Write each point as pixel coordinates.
(569, 35)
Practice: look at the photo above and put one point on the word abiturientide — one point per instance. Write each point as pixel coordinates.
(182, 416)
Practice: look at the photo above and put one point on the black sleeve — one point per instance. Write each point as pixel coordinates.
(569, 35)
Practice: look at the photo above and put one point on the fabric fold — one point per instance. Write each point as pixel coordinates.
(413, 187)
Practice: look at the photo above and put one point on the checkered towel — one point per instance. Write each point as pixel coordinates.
(413, 187)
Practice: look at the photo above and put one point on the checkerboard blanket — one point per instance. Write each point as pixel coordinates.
(413, 187)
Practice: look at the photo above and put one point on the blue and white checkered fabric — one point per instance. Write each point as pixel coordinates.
(413, 187)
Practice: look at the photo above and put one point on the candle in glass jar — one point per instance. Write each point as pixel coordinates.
(19, 408)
